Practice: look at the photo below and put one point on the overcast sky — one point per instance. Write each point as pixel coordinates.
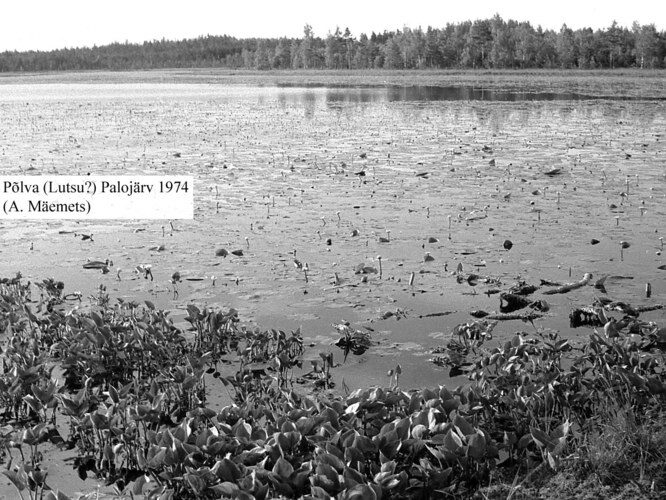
(49, 24)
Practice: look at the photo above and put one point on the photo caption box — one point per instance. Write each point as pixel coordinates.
(96, 197)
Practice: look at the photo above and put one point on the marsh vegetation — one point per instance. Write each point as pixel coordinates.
(383, 292)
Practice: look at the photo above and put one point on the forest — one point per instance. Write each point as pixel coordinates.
(481, 44)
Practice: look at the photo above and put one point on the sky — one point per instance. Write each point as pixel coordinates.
(51, 24)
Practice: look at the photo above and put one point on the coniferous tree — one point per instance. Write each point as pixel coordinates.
(483, 43)
(392, 57)
(282, 55)
(566, 47)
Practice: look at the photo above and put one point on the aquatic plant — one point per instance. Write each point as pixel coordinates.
(135, 391)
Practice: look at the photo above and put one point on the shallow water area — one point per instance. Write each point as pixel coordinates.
(281, 171)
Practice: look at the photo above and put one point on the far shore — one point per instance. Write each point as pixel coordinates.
(620, 82)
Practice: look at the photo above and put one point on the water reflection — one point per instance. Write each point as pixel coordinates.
(490, 106)
(309, 103)
(450, 93)
(468, 93)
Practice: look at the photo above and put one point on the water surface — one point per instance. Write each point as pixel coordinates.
(281, 166)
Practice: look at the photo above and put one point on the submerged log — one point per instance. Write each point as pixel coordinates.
(654, 307)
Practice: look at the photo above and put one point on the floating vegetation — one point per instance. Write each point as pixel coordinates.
(522, 288)
(586, 316)
(510, 302)
(354, 341)
(135, 387)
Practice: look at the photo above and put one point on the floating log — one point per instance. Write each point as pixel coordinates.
(654, 307)
(570, 286)
(521, 316)
(437, 314)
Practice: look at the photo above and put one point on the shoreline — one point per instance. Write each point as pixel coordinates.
(629, 82)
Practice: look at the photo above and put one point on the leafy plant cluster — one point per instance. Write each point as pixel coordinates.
(133, 398)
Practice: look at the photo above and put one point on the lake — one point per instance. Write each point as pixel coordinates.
(340, 176)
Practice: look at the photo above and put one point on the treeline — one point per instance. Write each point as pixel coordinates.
(488, 43)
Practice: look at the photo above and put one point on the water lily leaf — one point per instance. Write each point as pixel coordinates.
(197, 484)
(353, 455)
(95, 338)
(561, 431)
(34, 403)
(55, 438)
(436, 453)
(351, 409)
(414, 403)
(552, 460)
(226, 470)
(402, 428)
(283, 468)
(389, 444)
(388, 467)
(463, 426)
(369, 492)
(390, 483)
(157, 460)
(542, 439)
(113, 394)
(18, 478)
(193, 311)
(433, 416)
(97, 319)
(524, 441)
(137, 487)
(334, 450)
(476, 446)
(450, 404)
(88, 324)
(452, 442)
(445, 394)
(418, 431)
(58, 495)
(364, 444)
(171, 458)
(352, 477)
(318, 492)
(327, 478)
(140, 458)
(242, 429)
(332, 460)
(226, 489)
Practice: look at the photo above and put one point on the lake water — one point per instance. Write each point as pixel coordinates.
(280, 166)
